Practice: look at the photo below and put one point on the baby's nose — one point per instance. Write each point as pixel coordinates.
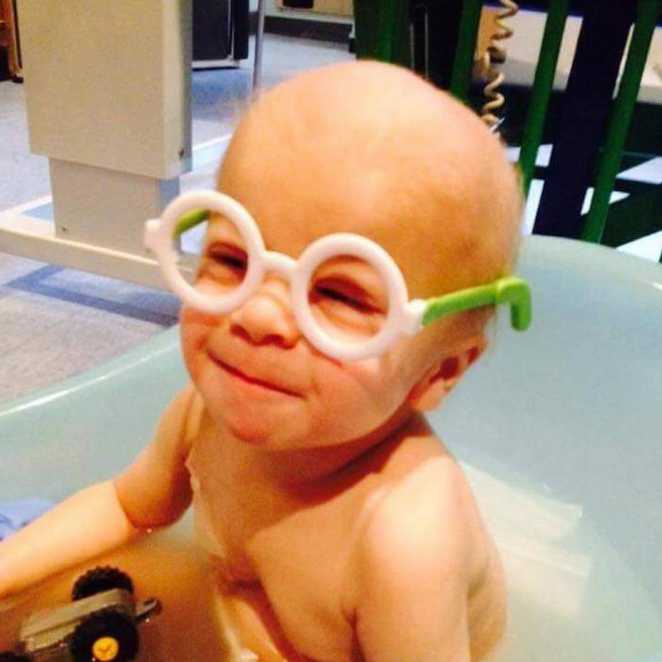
(267, 316)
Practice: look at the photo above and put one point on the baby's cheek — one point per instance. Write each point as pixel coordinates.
(191, 317)
(194, 332)
(357, 398)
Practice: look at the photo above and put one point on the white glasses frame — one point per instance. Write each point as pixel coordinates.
(404, 317)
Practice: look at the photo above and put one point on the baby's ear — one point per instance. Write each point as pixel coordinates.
(442, 376)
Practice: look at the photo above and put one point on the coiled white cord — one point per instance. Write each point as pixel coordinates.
(495, 54)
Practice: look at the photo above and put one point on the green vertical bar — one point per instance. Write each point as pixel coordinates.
(367, 29)
(619, 123)
(386, 31)
(466, 48)
(542, 88)
(382, 30)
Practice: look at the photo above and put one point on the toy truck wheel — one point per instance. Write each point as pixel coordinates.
(98, 580)
(106, 636)
(13, 657)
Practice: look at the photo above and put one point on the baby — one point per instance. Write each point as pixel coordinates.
(339, 527)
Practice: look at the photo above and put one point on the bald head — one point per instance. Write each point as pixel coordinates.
(371, 148)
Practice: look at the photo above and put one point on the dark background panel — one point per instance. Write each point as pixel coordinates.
(211, 33)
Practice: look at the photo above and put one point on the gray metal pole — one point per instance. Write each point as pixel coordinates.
(259, 38)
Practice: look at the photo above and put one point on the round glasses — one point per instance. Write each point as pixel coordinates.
(349, 297)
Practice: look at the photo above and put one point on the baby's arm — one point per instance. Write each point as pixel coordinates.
(153, 491)
(414, 573)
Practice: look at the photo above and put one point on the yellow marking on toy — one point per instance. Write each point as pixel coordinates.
(105, 649)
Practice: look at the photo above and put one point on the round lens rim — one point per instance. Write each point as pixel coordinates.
(361, 247)
(213, 201)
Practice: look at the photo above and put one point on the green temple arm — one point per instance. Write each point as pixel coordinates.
(190, 220)
(510, 290)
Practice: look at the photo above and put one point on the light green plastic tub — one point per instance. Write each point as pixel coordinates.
(559, 430)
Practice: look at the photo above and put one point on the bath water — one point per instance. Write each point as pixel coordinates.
(164, 565)
(572, 597)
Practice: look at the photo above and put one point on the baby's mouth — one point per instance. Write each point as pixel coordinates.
(251, 380)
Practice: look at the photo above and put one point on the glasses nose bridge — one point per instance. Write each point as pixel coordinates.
(277, 263)
(268, 310)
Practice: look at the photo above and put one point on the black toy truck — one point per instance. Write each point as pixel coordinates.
(99, 625)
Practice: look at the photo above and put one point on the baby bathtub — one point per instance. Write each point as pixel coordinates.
(559, 430)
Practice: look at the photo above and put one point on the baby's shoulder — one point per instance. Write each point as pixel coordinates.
(425, 508)
(421, 468)
(195, 414)
(181, 421)
(433, 487)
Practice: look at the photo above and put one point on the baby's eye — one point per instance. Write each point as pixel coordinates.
(346, 294)
(223, 264)
(341, 297)
(231, 261)
(229, 256)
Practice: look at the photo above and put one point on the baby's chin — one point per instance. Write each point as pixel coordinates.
(279, 430)
(282, 428)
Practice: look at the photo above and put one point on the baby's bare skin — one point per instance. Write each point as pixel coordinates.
(340, 528)
(291, 572)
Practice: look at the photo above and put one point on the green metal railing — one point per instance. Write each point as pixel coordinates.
(542, 88)
(647, 15)
(466, 48)
(389, 45)
(387, 26)
(382, 31)
(619, 123)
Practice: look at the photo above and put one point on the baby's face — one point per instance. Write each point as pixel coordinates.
(359, 148)
(260, 377)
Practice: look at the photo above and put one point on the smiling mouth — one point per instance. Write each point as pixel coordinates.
(251, 380)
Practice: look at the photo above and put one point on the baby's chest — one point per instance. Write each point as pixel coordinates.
(302, 565)
(296, 593)
(308, 607)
